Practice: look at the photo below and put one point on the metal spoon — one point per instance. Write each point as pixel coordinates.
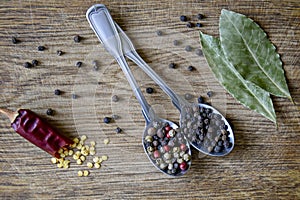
(167, 149)
(206, 129)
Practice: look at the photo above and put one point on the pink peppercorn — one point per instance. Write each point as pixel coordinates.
(182, 147)
(156, 154)
(183, 166)
(167, 148)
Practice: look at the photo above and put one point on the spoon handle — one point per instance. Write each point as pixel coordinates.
(103, 25)
(130, 52)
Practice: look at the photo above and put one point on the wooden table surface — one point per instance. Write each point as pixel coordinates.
(264, 163)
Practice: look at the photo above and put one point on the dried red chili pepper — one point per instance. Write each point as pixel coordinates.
(37, 131)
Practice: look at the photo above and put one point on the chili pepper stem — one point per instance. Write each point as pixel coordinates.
(9, 113)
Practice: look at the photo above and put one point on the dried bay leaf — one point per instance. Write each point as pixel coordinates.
(247, 93)
(250, 51)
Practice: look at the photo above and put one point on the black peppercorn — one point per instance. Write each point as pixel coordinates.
(50, 112)
(159, 33)
(172, 65)
(106, 120)
(77, 38)
(59, 52)
(34, 62)
(183, 18)
(118, 130)
(14, 40)
(198, 24)
(209, 93)
(190, 68)
(57, 92)
(78, 64)
(190, 25)
(149, 90)
(200, 100)
(41, 48)
(27, 65)
(200, 16)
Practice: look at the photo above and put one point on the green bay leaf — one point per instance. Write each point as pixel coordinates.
(247, 93)
(250, 51)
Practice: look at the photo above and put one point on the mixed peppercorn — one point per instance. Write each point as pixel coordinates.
(167, 148)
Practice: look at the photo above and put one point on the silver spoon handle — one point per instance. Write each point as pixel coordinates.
(103, 25)
(130, 52)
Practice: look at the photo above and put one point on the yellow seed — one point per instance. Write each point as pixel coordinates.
(71, 152)
(89, 165)
(78, 153)
(66, 162)
(86, 147)
(96, 159)
(106, 141)
(83, 138)
(97, 165)
(66, 152)
(62, 155)
(74, 145)
(75, 157)
(80, 173)
(66, 166)
(60, 160)
(76, 140)
(79, 162)
(93, 143)
(92, 152)
(60, 150)
(79, 146)
(59, 165)
(82, 158)
(85, 153)
(92, 149)
(104, 157)
(54, 160)
(86, 173)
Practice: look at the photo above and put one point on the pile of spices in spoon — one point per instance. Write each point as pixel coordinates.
(167, 148)
(205, 129)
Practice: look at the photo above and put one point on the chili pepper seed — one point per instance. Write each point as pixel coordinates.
(106, 141)
(80, 173)
(86, 173)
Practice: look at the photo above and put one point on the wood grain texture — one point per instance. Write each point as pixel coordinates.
(264, 163)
